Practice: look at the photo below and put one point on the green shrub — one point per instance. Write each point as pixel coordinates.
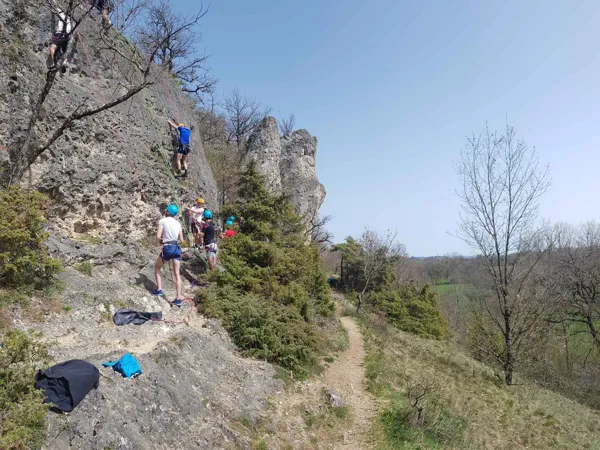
(84, 267)
(412, 310)
(263, 328)
(22, 411)
(274, 285)
(24, 257)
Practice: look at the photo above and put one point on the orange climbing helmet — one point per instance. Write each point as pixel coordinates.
(180, 125)
(201, 201)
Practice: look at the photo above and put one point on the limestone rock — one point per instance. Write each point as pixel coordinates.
(288, 164)
(109, 174)
(334, 398)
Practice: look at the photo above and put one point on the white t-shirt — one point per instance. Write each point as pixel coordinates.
(199, 214)
(63, 23)
(171, 229)
(196, 213)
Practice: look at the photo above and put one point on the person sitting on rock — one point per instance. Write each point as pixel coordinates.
(184, 146)
(195, 218)
(209, 238)
(61, 37)
(169, 235)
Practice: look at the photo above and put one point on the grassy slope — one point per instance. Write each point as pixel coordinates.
(494, 416)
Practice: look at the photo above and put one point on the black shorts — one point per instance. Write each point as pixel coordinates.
(194, 227)
(184, 149)
(101, 4)
(60, 40)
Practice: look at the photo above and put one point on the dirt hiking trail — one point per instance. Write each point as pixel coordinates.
(305, 420)
(347, 376)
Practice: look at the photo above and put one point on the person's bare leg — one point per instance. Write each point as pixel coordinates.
(176, 266)
(184, 158)
(157, 267)
(105, 19)
(51, 52)
(212, 261)
(179, 162)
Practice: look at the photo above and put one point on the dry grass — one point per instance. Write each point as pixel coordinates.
(497, 417)
(39, 309)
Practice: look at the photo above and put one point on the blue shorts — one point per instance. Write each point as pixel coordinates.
(169, 252)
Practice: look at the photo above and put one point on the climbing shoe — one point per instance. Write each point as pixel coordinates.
(157, 292)
(176, 302)
(52, 68)
(185, 173)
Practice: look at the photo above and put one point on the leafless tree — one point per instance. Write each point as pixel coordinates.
(287, 124)
(376, 252)
(576, 278)
(317, 231)
(26, 148)
(501, 182)
(243, 115)
(177, 52)
(211, 122)
(226, 163)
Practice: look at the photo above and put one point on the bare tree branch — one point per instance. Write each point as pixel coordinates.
(287, 124)
(501, 184)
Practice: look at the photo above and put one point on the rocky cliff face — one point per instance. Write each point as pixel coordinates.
(108, 178)
(109, 173)
(288, 164)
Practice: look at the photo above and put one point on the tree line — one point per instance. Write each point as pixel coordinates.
(528, 303)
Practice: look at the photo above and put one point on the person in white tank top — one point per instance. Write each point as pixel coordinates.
(169, 235)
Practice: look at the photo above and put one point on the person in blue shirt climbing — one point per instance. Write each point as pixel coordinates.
(184, 146)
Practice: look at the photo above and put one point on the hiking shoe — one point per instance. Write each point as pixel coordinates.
(52, 67)
(185, 174)
(157, 292)
(176, 302)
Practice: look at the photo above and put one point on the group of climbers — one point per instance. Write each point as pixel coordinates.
(170, 237)
(62, 30)
(169, 234)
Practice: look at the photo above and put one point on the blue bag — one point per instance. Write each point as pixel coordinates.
(126, 366)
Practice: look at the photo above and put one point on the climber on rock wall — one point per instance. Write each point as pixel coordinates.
(62, 24)
(195, 219)
(169, 235)
(184, 146)
(103, 7)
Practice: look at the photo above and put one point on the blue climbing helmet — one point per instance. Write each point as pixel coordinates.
(231, 218)
(173, 209)
(207, 214)
(229, 222)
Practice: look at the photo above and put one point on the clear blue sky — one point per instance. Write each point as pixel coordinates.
(391, 88)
